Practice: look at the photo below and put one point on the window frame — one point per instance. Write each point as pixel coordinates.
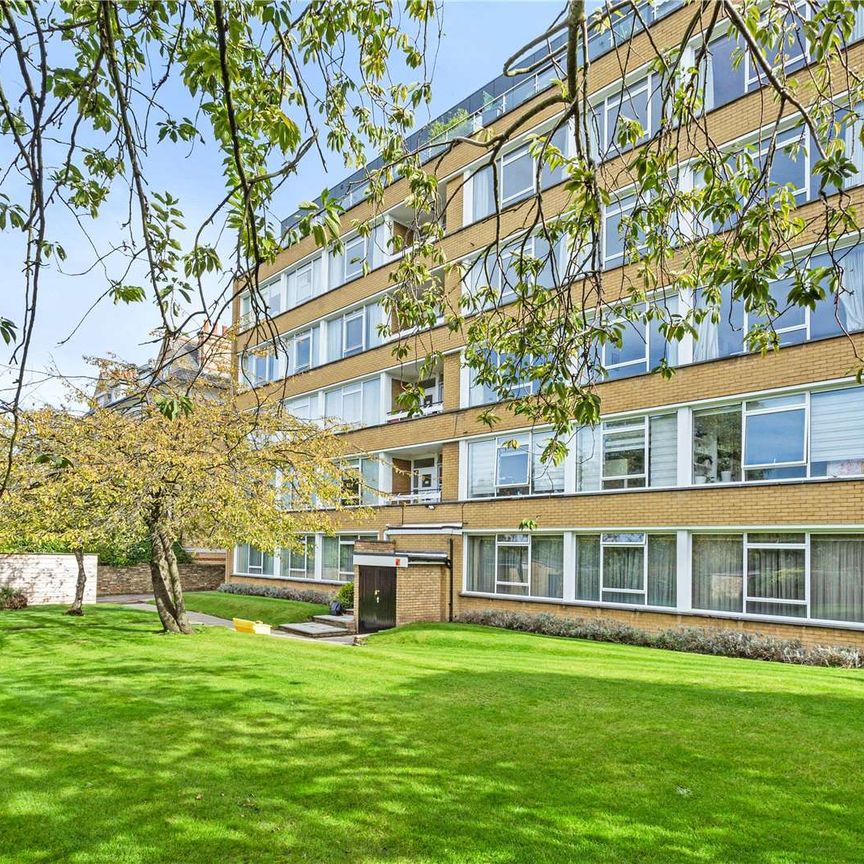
(349, 318)
(631, 543)
(803, 546)
(627, 424)
(349, 275)
(804, 407)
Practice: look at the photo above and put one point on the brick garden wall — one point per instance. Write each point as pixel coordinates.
(136, 579)
(47, 578)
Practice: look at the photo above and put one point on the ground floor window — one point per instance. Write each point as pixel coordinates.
(817, 576)
(253, 562)
(337, 555)
(517, 564)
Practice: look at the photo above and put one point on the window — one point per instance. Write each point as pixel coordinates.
(837, 433)
(630, 567)
(638, 101)
(337, 555)
(355, 258)
(299, 562)
(245, 309)
(250, 561)
(512, 465)
(774, 566)
(722, 334)
(717, 445)
(517, 175)
(643, 345)
(356, 403)
(480, 393)
(273, 297)
(628, 454)
(260, 365)
(775, 438)
(359, 482)
(560, 140)
(354, 332)
(302, 407)
(304, 282)
(303, 351)
(494, 277)
(620, 238)
(837, 577)
(516, 564)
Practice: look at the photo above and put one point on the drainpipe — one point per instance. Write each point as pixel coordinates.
(450, 564)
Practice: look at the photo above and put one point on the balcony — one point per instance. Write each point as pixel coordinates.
(415, 477)
(431, 392)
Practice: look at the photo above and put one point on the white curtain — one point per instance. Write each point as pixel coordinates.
(837, 577)
(663, 450)
(589, 454)
(481, 468)
(623, 567)
(330, 558)
(837, 432)
(546, 476)
(547, 567)
(662, 570)
(718, 572)
(588, 567)
(371, 402)
(852, 296)
(336, 266)
(707, 344)
(481, 569)
(483, 193)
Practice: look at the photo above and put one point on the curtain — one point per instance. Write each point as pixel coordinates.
(374, 318)
(481, 568)
(547, 567)
(776, 574)
(369, 469)
(242, 558)
(546, 476)
(852, 295)
(336, 267)
(662, 570)
(854, 151)
(481, 469)
(663, 450)
(837, 432)
(588, 567)
(707, 343)
(334, 339)
(718, 572)
(371, 402)
(330, 558)
(483, 190)
(513, 569)
(623, 567)
(837, 577)
(589, 455)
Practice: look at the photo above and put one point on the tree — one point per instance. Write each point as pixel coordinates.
(174, 466)
(699, 216)
(92, 90)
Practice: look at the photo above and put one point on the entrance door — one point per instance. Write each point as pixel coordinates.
(377, 598)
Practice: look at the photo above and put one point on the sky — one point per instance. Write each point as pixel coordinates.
(478, 35)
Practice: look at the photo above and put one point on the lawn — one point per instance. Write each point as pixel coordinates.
(266, 609)
(433, 743)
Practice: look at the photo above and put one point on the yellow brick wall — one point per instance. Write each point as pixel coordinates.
(421, 594)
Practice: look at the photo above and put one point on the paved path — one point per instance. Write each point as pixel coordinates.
(213, 621)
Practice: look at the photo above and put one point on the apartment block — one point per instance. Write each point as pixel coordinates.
(731, 495)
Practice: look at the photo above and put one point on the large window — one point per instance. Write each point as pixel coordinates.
(359, 254)
(516, 564)
(643, 346)
(480, 393)
(299, 562)
(781, 437)
(512, 465)
(356, 403)
(337, 555)
(637, 102)
(628, 453)
(359, 481)
(630, 567)
(722, 334)
(261, 365)
(768, 574)
(353, 332)
(250, 561)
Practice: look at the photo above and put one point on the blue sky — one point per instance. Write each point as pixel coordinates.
(477, 37)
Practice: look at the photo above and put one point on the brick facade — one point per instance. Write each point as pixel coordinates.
(136, 579)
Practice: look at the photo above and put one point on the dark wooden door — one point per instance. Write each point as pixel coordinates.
(377, 598)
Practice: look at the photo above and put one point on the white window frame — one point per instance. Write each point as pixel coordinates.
(306, 269)
(634, 424)
(630, 543)
(349, 274)
(499, 447)
(524, 542)
(287, 556)
(515, 155)
(802, 546)
(345, 320)
(752, 81)
(616, 101)
(746, 412)
(296, 340)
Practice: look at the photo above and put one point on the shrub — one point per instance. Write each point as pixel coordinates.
(345, 595)
(721, 643)
(12, 598)
(305, 595)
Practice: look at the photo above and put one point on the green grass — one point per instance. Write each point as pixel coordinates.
(267, 609)
(432, 744)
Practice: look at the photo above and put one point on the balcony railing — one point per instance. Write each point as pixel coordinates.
(418, 496)
(425, 411)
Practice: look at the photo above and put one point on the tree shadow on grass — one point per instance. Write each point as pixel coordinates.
(221, 748)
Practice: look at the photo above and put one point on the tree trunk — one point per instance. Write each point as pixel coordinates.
(165, 576)
(77, 606)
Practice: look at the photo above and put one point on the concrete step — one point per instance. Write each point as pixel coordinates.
(344, 621)
(313, 629)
